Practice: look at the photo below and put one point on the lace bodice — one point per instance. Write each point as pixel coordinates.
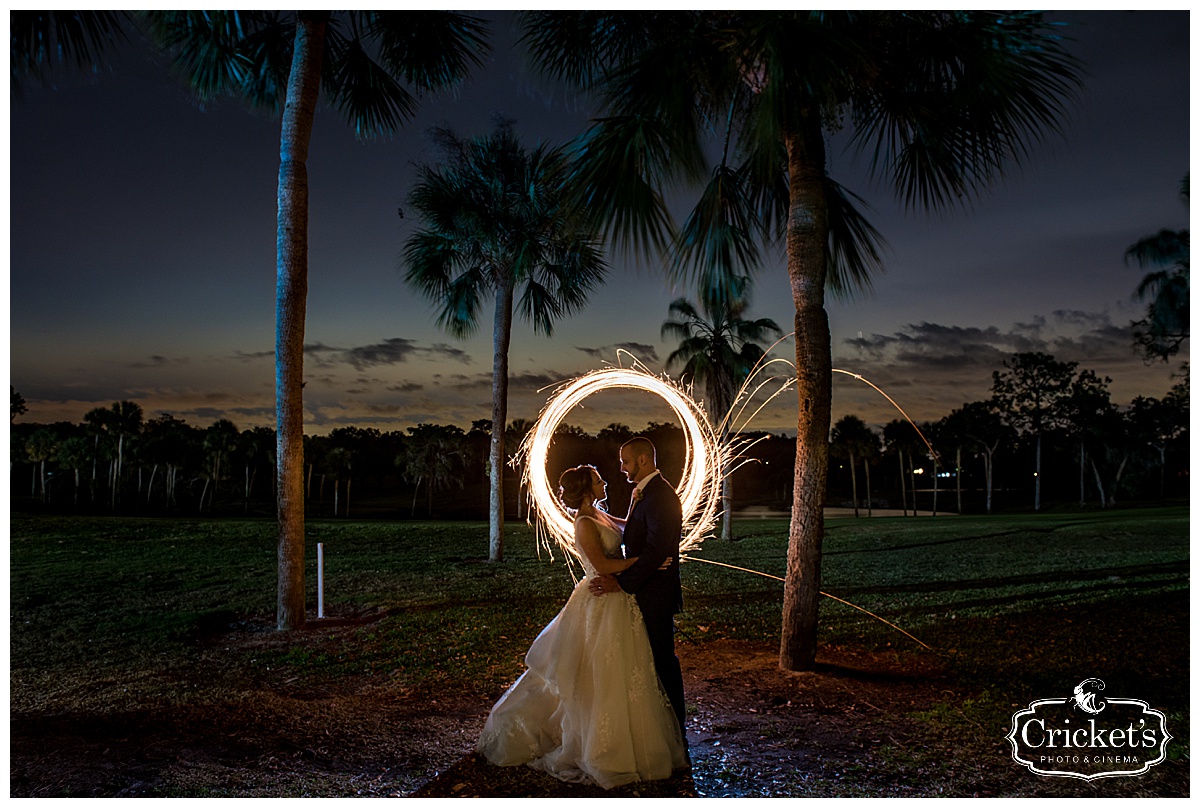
(610, 540)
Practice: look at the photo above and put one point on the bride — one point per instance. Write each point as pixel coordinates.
(589, 707)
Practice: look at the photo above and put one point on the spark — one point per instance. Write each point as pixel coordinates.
(698, 488)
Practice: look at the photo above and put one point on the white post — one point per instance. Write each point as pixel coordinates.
(320, 580)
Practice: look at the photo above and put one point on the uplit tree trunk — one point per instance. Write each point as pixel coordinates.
(291, 293)
(903, 491)
(807, 261)
(935, 485)
(958, 475)
(501, 336)
(1082, 485)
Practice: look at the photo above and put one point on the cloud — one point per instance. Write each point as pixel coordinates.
(406, 387)
(641, 350)
(157, 361)
(396, 350)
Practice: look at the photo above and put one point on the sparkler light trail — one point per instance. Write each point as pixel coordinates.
(704, 456)
(707, 457)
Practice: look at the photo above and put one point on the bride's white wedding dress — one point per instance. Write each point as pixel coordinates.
(589, 707)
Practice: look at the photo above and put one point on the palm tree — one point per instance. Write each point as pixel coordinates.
(220, 441)
(124, 423)
(852, 439)
(719, 349)
(1167, 323)
(941, 101)
(433, 454)
(41, 447)
(279, 62)
(498, 221)
(47, 39)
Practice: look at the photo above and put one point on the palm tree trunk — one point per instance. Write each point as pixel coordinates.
(1037, 476)
(958, 475)
(987, 473)
(291, 293)
(501, 336)
(1082, 487)
(935, 485)
(335, 496)
(1099, 484)
(903, 492)
(348, 481)
(807, 260)
(76, 501)
(912, 482)
(867, 470)
(854, 484)
(150, 487)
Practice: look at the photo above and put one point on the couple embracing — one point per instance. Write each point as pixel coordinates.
(601, 699)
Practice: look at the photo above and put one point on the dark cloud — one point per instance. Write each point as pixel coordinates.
(396, 350)
(157, 361)
(642, 351)
(406, 387)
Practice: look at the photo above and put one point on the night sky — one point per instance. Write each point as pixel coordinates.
(143, 255)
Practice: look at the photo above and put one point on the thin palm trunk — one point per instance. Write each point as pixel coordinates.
(987, 473)
(727, 507)
(150, 487)
(1082, 486)
(854, 484)
(807, 260)
(935, 485)
(291, 293)
(1037, 476)
(501, 336)
(867, 470)
(958, 475)
(416, 490)
(903, 488)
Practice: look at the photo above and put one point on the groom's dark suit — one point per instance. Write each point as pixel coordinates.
(652, 533)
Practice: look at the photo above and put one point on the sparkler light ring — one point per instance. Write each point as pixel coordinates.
(704, 458)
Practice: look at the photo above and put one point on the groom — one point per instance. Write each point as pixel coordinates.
(652, 532)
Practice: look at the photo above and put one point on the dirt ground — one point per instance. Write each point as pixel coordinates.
(848, 728)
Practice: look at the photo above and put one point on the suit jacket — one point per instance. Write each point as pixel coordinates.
(652, 533)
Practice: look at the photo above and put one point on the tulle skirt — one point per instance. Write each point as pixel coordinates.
(589, 707)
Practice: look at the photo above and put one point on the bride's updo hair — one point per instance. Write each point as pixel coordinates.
(575, 486)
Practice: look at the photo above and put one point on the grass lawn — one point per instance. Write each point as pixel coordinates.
(119, 617)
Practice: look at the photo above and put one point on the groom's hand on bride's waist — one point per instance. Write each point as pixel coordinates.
(603, 584)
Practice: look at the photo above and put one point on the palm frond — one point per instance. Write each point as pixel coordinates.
(210, 51)
(365, 91)
(616, 175)
(1164, 248)
(430, 49)
(854, 243)
(718, 242)
(41, 39)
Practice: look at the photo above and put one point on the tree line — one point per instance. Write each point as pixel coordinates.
(1045, 421)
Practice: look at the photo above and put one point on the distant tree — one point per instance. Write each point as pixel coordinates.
(220, 442)
(902, 438)
(1161, 333)
(124, 424)
(170, 444)
(981, 424)
(718, 348)
(498, 221)
(433, 455)
(41, 448)
(340, 461)
(17, 404)
(1086, 409)
(852, 439)
(1029, 393)
(73, 454)
(281, 62)
(514, 435)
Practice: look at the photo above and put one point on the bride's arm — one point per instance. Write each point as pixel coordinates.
(588, 539)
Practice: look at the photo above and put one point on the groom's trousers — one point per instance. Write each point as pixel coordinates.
(661, 631)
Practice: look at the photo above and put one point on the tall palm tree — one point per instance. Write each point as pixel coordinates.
(1166, 326)
(940, 101)
(498, 221)
(718, 349)
(280, 62)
